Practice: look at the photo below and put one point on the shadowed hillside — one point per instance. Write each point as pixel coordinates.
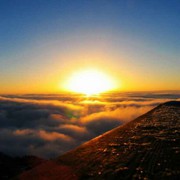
(11, 166)
(146, 148)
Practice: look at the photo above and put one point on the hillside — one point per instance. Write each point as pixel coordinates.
(12, 166)
(146, 148)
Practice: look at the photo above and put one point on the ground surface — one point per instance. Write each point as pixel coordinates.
(146, 148)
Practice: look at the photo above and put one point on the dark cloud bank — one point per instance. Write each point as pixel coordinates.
(49, 125)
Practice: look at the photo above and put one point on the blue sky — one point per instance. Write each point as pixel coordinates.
(138, 36)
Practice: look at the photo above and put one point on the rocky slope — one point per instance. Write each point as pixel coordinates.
(146, 148)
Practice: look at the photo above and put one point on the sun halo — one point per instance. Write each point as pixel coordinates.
(89, 82)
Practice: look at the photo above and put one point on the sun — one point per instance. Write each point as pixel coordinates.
(89, 82)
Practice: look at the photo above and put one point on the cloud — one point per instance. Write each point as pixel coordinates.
(73, 129)
(52, 136)
(49, 125)
(105, 120)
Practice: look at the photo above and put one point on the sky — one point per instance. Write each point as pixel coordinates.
(44, 42)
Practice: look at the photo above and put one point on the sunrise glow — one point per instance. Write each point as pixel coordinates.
(90, 82)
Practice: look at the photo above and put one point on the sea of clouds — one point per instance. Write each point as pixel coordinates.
(48, 125)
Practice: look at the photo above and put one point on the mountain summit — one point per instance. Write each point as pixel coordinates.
(145, 148)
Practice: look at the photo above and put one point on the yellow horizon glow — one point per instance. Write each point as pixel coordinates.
(89, 82)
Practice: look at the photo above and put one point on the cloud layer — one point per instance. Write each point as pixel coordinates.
(49, 125)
